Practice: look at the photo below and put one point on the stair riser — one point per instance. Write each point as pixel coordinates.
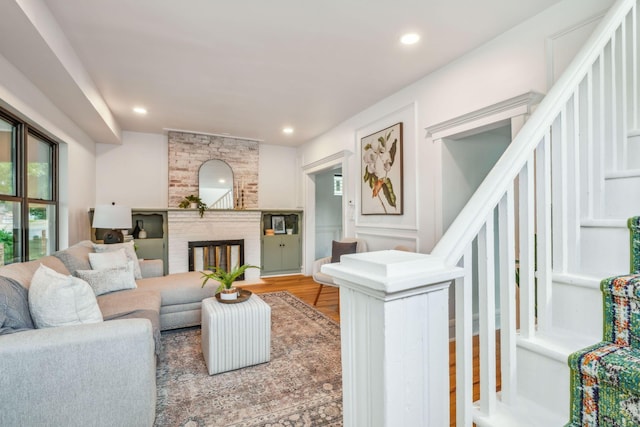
(543, 380)
(578, 309)
(633, 152)
(622, 197)
(604, 251)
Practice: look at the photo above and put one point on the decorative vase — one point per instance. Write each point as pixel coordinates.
(193, 205)
(229, 294)
(142, 234)
(136, 230)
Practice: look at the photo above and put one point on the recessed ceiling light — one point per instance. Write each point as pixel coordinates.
(287, 130)
(410, 38)
(140, 110)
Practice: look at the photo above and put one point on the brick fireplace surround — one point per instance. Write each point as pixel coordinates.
(185, 226)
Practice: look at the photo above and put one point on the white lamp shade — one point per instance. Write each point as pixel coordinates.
(112, 216)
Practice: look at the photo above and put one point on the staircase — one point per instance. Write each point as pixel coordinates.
(557, 201)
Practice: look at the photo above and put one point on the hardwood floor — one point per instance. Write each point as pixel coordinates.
(306, 289)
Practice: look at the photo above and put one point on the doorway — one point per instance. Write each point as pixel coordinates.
(328, 212)
(466, 162)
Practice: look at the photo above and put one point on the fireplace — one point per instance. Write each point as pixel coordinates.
(206, 254)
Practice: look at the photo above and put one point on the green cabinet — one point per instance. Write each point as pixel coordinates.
(281, 252)
(155, 245)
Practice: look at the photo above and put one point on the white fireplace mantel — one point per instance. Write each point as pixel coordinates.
(185, 225)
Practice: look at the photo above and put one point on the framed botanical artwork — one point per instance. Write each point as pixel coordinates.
(381, 185)
(278, 225)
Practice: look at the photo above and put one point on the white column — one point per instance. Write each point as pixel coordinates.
(394, 323)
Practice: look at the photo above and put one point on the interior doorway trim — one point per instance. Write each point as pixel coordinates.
(514, 111)
(495, 113)
(338, 159)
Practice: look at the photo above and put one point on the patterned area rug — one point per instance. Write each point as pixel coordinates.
(300, 386)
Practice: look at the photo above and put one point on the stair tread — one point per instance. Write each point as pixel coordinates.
(605, 222)
(524, 413)
(584, 281)
(556, 343)
(621, 174)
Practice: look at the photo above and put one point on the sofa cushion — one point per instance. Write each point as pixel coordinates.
(14, 307)
(111, 259)
(109, 279)
(22, 272)
(76, 257)
(129, 250)
(59, 300)
(342, 248)
(179, 288)
(135, 303)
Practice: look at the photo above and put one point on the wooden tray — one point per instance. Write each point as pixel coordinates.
(244, 295)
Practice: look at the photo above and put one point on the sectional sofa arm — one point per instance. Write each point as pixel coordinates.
(100, 374)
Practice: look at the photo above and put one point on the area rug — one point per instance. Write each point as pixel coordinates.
(300, 386)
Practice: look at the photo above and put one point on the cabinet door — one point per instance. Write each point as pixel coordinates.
(150, 248)
(291, 252)
(271, 253)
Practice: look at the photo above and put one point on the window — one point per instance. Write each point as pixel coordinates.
(28, 192)
(337, 185)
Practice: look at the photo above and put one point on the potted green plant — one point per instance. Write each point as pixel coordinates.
(194, 202)
(226, 288)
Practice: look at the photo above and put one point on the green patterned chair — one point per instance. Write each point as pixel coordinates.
(605, 377)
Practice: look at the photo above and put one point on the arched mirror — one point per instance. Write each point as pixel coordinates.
(216, 184)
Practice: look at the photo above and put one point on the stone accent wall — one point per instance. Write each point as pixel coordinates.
(187, 152)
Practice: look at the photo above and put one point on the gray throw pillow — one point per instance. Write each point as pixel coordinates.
(342, 248)
(76, 257)
(129, 250)
(14, 307)
(109, 279)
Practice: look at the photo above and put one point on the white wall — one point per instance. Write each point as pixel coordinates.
(135, 173)
(277, 175)
(77, 154)
(510, 65)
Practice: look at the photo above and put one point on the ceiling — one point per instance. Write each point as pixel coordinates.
(244, 67)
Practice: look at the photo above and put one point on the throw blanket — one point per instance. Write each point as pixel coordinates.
(143, 314)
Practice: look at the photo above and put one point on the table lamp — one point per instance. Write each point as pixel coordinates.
(113, 218)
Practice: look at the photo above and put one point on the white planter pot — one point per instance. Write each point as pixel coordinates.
(229, 294)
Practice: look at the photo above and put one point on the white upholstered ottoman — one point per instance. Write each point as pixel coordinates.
(235, 335)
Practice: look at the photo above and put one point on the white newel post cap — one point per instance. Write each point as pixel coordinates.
(391, 273)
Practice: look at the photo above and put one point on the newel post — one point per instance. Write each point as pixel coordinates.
(394, 325)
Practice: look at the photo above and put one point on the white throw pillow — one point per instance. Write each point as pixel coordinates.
(109, 279)
(105, 260)
(129, 250)
(59, 300)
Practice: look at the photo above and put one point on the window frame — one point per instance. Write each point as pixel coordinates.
(24, 129)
